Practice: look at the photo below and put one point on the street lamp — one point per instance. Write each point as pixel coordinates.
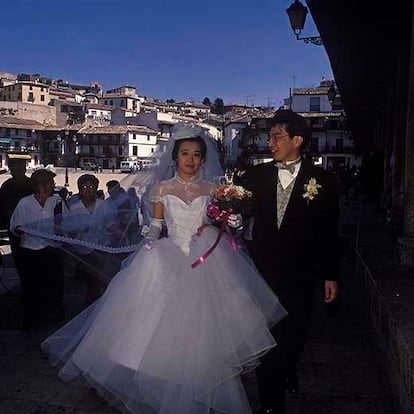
(297, 15)
(65, 146)
(75, 141)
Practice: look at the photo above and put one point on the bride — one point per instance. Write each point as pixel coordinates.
(165, 337)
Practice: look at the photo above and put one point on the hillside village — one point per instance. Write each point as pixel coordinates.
(64, 124)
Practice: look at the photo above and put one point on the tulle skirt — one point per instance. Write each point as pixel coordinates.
(166, 338)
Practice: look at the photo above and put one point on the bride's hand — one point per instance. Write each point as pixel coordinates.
(201, 229)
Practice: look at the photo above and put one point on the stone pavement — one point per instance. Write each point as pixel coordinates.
(342, 370)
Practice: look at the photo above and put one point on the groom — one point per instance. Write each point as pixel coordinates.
(295, 244)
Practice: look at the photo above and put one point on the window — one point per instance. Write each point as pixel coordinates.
(148, 137)
(42, 98)
(111, 102)
(339, 145)
(152, 149)
(134, 136)
(31, 97)
(314, 145)
(31, 87)
(315, 104)
(122, 102)
(135, 150)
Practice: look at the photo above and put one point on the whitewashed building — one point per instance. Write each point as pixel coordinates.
(109, 145)
(331, 144)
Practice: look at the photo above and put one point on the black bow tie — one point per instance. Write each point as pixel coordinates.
(290, 167)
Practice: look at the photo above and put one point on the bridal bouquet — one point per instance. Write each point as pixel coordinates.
(228, 199)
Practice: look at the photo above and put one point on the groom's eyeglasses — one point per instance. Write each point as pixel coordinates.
(276, 138)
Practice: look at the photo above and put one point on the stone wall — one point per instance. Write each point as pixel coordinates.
(389, 298)
(43, 114)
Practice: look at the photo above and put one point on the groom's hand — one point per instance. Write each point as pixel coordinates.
(331, 291)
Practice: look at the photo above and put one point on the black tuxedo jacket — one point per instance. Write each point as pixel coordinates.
(307, 241)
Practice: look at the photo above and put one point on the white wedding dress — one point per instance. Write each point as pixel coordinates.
(168, 338)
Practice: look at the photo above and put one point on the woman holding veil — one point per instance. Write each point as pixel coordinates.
(167, 337)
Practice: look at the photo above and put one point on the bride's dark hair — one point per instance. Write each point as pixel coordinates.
(198, 140)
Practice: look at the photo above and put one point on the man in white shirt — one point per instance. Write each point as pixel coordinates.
(42, 265)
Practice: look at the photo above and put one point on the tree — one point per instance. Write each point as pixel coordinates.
(218, 106)
(170, 101)
(207, 102)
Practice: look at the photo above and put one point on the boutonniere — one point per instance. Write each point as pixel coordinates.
(311, 189)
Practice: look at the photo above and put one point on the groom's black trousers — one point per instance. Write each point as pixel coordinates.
(295, 291)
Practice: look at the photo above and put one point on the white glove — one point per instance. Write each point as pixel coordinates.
(153, 233)
(235, 221)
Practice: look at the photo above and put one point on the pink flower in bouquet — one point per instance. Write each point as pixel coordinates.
(226, 201)
(230, 198)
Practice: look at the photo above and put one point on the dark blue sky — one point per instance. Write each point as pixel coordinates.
(242, 51)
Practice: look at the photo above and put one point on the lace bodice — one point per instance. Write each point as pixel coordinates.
(185, 207)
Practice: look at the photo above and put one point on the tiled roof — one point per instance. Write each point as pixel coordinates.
(56, 128)
(320, 114)
(243, 119)
(90, 105)
(116, 95)
(66, 102)
(320, 90)
(19, 123)
(117, 129)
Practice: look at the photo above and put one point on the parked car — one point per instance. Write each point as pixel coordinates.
(49, 167)
(130, 166)
(89, 166)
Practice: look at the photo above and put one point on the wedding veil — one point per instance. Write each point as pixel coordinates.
(103, 240)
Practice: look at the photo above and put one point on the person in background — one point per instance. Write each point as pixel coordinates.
(64, 194)
(100, 194)
(120, 201)
(135, 202)
(11, 192)
(40, 264)
(87, 204)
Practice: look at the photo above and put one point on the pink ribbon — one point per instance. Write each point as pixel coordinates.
(217, 215)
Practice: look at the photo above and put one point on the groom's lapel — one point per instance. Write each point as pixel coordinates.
(273, 176)
(270, 187)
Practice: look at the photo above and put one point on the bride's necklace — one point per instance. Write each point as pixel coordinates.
(192, 179)
(188, 188)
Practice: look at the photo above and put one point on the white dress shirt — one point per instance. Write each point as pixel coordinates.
(286, 177)
(29, 210)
